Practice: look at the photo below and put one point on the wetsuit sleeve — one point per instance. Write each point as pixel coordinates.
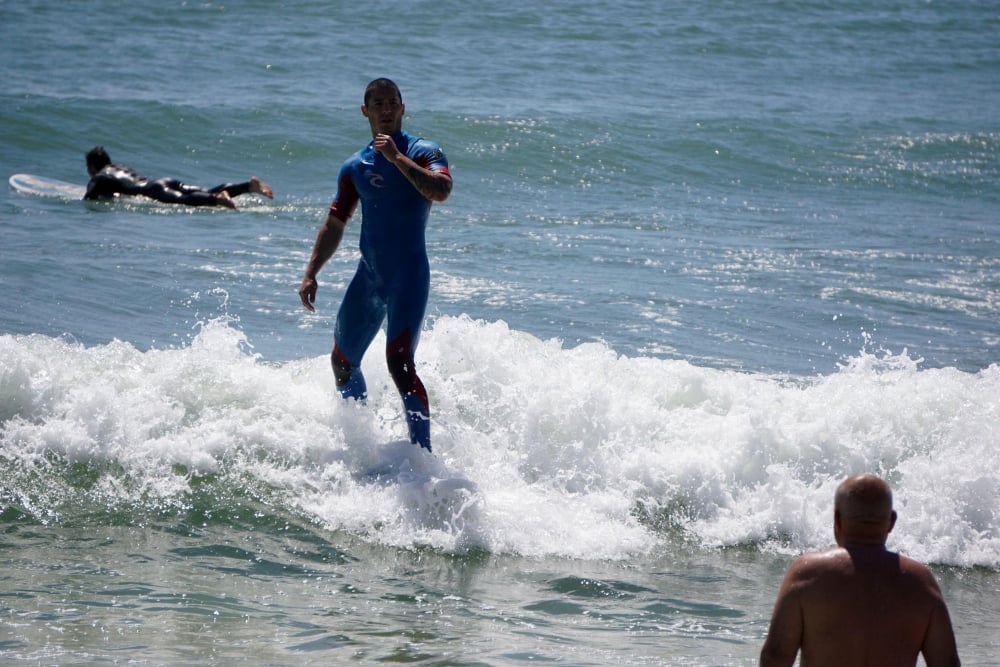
(429, 155)
(346, 199)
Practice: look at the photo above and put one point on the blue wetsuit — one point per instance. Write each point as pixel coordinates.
(392, 281)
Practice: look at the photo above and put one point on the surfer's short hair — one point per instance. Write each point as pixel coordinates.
(378, 84)
(98, 158)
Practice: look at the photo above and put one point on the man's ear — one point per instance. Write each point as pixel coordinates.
(364, 111)
(892, 520)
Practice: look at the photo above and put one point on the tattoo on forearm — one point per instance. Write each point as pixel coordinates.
(430, 185)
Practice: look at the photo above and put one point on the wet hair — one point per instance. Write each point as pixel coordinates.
(378, 84)
(98, 158)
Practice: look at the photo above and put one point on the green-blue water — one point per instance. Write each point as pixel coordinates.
(701, 262)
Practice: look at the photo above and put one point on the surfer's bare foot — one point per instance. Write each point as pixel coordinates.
(224, 199)
(260, 187)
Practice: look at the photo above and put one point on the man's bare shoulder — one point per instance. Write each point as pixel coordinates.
(920, 579)
(814, 563)
(825, 576)
(913, 567)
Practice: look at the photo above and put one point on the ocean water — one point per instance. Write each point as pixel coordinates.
(702, 261)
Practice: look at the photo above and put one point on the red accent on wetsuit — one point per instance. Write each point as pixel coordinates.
(341, 367)
(399, 358)
(346, 199)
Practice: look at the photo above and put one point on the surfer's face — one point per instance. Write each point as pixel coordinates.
(384, 111)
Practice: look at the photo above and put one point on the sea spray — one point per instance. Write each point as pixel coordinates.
(540, 449)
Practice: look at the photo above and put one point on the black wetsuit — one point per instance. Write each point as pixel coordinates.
(117, 180)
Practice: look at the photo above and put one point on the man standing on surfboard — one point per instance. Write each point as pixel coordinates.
(396, 177)
(108, 180)
(860, 604)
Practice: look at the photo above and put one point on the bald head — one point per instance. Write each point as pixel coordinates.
(863, 511)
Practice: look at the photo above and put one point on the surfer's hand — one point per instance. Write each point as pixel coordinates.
(223, 199)
(308, 293)
(386, 146)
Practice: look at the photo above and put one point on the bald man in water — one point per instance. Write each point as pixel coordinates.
(860, 604)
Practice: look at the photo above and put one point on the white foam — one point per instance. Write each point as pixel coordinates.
(539, 449)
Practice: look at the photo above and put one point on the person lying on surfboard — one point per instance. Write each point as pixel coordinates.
(108, 180)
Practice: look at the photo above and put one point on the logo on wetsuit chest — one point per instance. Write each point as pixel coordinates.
(375, 179)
